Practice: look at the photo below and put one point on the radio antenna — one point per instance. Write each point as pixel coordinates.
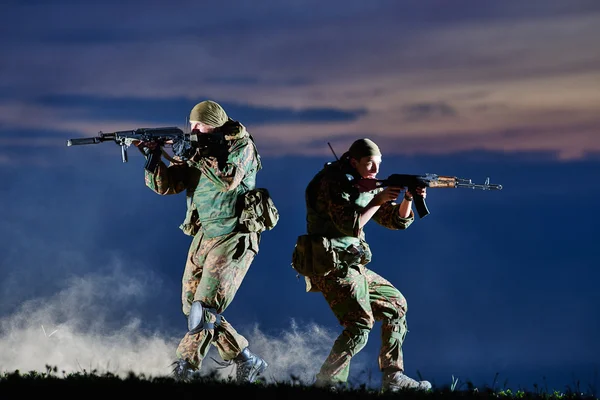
(336, 157)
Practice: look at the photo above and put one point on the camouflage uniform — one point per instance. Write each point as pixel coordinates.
(356, 295)
(219, 255)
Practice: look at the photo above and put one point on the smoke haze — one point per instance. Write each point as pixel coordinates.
(75, 330)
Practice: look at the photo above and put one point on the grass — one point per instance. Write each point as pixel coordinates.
(51, 383)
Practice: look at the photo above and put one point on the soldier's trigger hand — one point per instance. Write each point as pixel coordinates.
(420, 191)
(390, 193)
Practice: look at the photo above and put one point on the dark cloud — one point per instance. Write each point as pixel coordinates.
(424, 111)
(7, 134)
(256, 82)
(127, 21)
(176, 110)
(528, 141)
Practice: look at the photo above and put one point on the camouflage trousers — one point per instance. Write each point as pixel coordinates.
(213, 273)
(358, 297)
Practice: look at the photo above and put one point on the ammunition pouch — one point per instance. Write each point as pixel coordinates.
(257, 211)
(191, 224)
(316, 255)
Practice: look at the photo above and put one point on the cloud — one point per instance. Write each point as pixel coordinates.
(164, 109)
(423, 111)
(388, 70)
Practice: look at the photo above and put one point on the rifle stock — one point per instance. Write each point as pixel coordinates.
(411, 182)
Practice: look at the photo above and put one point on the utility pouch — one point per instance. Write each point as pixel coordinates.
(258, 212)
(314, 255)
(191, 224)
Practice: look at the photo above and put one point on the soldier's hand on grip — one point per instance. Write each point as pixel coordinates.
(390, 193)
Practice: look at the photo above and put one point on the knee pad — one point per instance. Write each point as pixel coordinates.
(197, 320)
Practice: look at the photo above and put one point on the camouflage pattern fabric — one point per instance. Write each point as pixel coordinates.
(219, 255)
(213, 183)
(356, 295)
(213, 273)
(333, 205)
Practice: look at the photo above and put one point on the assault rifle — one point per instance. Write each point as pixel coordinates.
(411, 182)
(184, 144)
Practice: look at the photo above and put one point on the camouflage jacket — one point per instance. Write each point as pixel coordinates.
(212, 183)
(334, 207)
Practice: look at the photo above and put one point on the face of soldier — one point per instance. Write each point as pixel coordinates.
(367, 167)
(201, 127)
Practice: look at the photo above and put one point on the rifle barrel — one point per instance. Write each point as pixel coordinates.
(482, 186)
(80, 141)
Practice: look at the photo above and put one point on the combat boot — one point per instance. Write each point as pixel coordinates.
(249, 366)
(183, 371)
(397, 381)
(327, 384)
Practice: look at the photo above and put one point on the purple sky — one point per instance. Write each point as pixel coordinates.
(497, 282)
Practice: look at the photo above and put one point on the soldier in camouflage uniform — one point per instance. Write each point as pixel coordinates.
(356, 295)
(220, 254)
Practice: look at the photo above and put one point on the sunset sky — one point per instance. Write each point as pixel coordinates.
(497, 282)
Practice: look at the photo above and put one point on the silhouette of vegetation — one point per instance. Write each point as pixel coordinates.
(85, 383)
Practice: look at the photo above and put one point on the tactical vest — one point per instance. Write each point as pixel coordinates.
(321, 224)
(324, 247)
(217, 211)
